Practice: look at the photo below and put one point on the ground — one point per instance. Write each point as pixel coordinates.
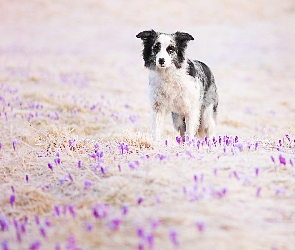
(78, 167)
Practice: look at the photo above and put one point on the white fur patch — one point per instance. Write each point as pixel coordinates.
(165, 41)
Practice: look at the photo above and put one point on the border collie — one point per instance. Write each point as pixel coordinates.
(184, 87)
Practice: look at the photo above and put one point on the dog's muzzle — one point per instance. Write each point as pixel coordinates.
(161, 62)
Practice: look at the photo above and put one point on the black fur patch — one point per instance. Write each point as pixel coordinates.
(191, 70)
(208, 76)
(148, 37)
(181, 40)
(215, 107)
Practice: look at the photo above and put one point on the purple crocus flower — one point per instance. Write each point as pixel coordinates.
(4, 245)
(27, 178)
(258, 191)
(256, 145)
(12, 199)
(150, 241)
(122, 146)
(15, 223)
(155, 224)
(100, 211)
(18, 236)
(50, 166)
(72, 211)
(14, 144)
(131, 165)
(114, 224)
(239, 146)
(56, 114)
(195, 178)
(140, 200)
(236, 175)
(35, 246)
(79, 164)
(282, 160)
(47, 223)
(124, 210)
(43, 232)
(280, 143)
(215, 171)
(158, 199)
(173, 238)
(71, 243)
(37, 219)
(56, 210)
(161, 157)
(178, 139)
(256, 171)
(23, 228)
(88, 226)
(202, 178)
(87, 184)
(70, 177)
(133, 118)
(4, 223)
(140, 232)
(57, 161)
(72, 143)
(288, 137)
(200, 226)
(222, 193)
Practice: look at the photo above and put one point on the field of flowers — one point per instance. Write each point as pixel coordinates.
(78, 167)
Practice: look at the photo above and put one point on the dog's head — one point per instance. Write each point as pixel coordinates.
(163, 50)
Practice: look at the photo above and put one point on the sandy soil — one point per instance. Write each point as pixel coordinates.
(78, 168)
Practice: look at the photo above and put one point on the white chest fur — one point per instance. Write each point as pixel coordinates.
(173, 91)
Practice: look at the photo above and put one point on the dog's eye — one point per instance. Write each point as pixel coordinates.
(156, 48)
(170, 49)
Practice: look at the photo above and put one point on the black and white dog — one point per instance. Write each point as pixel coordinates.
(178, 85)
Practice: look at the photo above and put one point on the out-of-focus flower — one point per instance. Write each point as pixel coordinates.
(4, 245)
(114, 224)
(173, 238)
(35, 246)
(4, 223)
(200, 226)
(140, 200)
(87, 184)
(258, 190)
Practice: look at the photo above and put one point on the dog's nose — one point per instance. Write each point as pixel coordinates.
(161, 61)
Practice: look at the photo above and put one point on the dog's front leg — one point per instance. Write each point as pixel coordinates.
(192, 121)
(157, 124)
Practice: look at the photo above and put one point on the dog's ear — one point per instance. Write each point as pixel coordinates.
(182, 36)
(147, 34)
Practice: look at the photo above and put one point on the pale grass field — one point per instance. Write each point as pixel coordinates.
(78, 167)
